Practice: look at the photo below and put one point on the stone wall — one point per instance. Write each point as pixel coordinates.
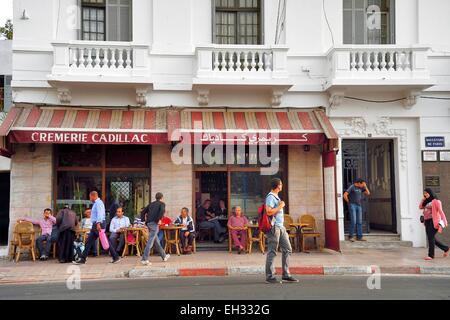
(31, 182)
(305, 185)
(174, 181)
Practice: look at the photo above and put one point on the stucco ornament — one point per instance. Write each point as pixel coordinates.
(383, 128)
(356, 126)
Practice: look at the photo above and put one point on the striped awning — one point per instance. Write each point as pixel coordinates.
(33, 124)
(90, 126)
(284, 127)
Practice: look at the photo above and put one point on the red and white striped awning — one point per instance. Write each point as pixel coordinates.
(268, 126)
(59, 125)
(85, 126)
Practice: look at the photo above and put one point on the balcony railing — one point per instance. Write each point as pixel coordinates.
(381, 62)
(99, 58)
(242, 62)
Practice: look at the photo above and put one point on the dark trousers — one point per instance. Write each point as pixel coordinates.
(44, 249)
(117, 237)
(91, 242)
(431, 236)
(186, 241)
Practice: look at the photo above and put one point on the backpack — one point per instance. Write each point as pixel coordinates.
(78, 248)
(264, 221)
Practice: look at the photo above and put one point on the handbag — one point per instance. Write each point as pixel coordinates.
(104, 239)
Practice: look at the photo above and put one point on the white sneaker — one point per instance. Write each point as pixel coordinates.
(146, 262)
(166, 257)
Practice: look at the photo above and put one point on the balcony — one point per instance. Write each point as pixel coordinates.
(243, 66)
(99, 62)
(388, 67)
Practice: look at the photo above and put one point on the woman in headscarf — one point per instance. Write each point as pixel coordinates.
(434, 220)
(66, 220)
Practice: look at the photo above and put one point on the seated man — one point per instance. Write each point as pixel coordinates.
(208, 220)
(86, 223)
(238, 226)
(187, 233)
(46, 224)
(118, 223)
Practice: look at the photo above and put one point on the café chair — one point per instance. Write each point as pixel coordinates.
(25, 239)
(230, 241)
(131, 239)
(292, 231)
(309, 231)
(260, 239)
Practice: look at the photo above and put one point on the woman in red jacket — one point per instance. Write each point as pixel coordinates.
(434, 220)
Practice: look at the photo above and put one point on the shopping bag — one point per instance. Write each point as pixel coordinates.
(104, 239)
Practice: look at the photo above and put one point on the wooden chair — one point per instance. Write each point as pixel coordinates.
(202, 232)
(309, 231)
(26, 239)
(230, 241)
(170, 242)
(132, 241)
(292, 231)
(260, 238)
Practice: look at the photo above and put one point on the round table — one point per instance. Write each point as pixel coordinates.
(169, 241)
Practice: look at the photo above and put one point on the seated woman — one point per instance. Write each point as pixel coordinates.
(187, 233)
(238, 226)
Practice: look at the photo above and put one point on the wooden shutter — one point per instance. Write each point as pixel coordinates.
(118, 20)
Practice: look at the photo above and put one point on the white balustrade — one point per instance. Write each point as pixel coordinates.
(242, 61)
(93, 58)
(378, 62)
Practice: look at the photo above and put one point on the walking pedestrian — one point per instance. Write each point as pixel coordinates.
(98, 218)
(277, 234)
(353, 197)
(434, 221)
(153, 214)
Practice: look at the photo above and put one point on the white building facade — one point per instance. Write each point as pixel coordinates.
(377, 70)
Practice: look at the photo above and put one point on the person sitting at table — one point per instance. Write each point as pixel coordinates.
(46, 224)
(208, 220)
(238, 226)
(221, 210)
(187, 233)
(86, 223)
(118, 223)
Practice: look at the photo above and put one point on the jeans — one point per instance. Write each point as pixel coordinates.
(278, 235)
(153, 239)
(432, 241)
(355, 211)
(44, 250)
(91, 242)
(186, 241)
(161, 237)
(114, 237)
(214, 224)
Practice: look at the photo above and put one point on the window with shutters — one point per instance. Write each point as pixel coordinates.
(369, 21)
(237, 21)
(106, 20)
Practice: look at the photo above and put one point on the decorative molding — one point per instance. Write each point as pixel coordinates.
(203, 97)
(356, 126)
(277, 95)
(64, 95)
(411, 99)
(141, 97)
(335, 100)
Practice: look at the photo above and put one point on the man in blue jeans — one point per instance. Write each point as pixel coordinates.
(353, 197)
(153, 214)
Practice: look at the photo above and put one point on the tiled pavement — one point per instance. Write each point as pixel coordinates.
(350, 261)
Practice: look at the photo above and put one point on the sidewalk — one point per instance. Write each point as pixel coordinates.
(350, 261)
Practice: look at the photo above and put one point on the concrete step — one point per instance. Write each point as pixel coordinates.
(377, 241)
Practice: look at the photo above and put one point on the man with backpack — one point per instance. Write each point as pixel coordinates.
(277, 234)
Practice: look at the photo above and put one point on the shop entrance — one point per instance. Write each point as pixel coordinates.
(373, 161)
(4, 206)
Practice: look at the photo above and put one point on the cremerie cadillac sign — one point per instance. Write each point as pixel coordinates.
(59, 137)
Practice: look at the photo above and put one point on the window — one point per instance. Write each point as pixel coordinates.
(120, 174)
(106, 20)
(369, 21)
(5, 93)
(237, 22)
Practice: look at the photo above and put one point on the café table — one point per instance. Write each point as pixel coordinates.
(169, 241)
(298, 226)
(260, 238)
(137, 231)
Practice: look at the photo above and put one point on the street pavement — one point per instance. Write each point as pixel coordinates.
(239, 287)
